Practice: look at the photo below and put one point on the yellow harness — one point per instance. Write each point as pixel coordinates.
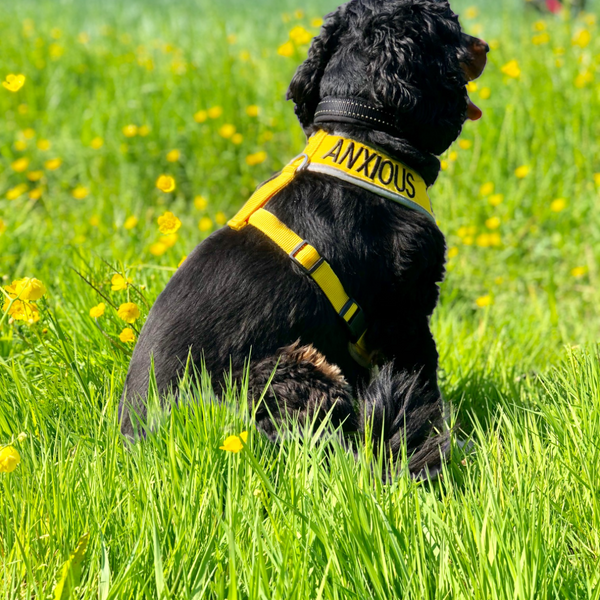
(355, 163)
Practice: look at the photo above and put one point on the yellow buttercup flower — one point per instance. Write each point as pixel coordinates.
(130, 222)
(168, 223)
(245, 55)
(2, 226)
(299, 14)
(483, 301)
(597, 178)
(511, 69)
(173, 155)
(35, 175)
(119, 283)
(541, 38)
(443, 165)
(200, 116)
(226, 130)
(496, 199)
(29, 133)
(483, 240)
(266, 136)
(231, 38)
(237, 139)
(169, 240)
(495, 239)
(205, 224)
(158, 248)
(578, 272)
(21, 310)
(53, 164)
(452, 252)
(15, 192)
(80, 192)
(583, 79)
(94, 220)
(252, 110)
(20, 164)
(26, 288)
(493, 223)
(558, 205)
(97, 143)
(20, 145)
(9, 459)
(286, 49)
(300, 36)
(485, 93)
(465, 144)
(471, 12)
(200, 202)
(35, 194)
(127, 335)
(144, 130)
(235, 443)
(214, 112)
(522, 171)
(316, 22)
(98, 310)
(129, 312)
(130, 130)
(44, 145)
(256, 158)
(453, 156)
(472, 87)
(220, 218)
(486, 189)
(582, 38)
(165, 183)
(539, 26)
(14, 82)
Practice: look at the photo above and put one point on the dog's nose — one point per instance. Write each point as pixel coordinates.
(479, 46)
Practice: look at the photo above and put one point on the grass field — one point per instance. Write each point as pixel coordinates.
(117, 94)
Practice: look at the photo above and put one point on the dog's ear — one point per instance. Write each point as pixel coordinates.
(304, 87)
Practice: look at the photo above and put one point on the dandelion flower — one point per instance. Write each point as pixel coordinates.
(465, 144)
(127, 336)
(237, 139)
(130, 222)
(119, 283)
(80, 192)
(226, 130)
(200, 202)
(158, 248)
(522, 171)
(443, 165)
(35, 175)
(496, 199)
(214, 112)
(53, 164)
(14, 82)
(15, 192)
(316, 22)
(578, 272)
(511, 69)
(165, 183)
(558, 205)
(235, 443)
(452, 252)
(130, 130)
(168, 223)
(200, 116)
(286, 49)
(495, 239)
(97, 143)
(252, 110)
(173, 155)
(10, 459)
(483, 240)
(484, 301)
(472, 87)
(44, 145)
(453, 156)
(256, 158)
(35, 194)
(98, 310)
(205, 224)
(220, 218)
(129, 312)
(20, 164)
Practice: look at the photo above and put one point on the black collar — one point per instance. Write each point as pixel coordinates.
(357, 112)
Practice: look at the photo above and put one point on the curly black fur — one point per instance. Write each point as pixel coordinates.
(238, 294)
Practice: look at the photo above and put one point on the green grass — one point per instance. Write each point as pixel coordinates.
(517, 515)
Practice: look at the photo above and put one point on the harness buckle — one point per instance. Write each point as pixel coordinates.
(304, 163)
(357, 324)
(297, 249)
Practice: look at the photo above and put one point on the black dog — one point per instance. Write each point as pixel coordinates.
(404, 64)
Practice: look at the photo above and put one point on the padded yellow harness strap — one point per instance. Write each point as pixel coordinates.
(305, 255)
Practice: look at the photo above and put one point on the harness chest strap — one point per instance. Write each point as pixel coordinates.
(338, 157)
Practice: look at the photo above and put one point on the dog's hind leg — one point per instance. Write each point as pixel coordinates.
(401, 408)
(298, 384)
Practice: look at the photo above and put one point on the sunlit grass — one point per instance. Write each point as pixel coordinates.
(138, 130)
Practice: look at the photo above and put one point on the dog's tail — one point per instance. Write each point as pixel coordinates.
(399, 409)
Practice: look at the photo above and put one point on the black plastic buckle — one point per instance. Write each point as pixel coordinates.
(357, 323)
(297, 249)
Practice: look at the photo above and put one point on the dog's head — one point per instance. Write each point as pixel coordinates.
(407, 57)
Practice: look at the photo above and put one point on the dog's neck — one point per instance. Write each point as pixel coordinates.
(360, 120)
